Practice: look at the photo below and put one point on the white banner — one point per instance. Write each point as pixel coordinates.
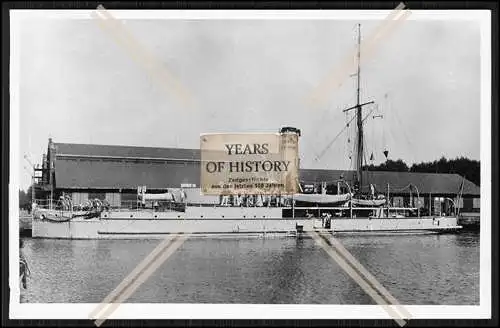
(249, 163)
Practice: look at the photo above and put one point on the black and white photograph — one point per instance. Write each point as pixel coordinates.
(257, 164)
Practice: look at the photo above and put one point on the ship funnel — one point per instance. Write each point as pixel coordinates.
(291, 130)
(290, 139)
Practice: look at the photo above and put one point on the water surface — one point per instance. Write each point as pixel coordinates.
(420, 269)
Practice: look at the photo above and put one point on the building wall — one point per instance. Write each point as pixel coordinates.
(437, 203)
(79, 197)
(113, 198)
(398, 201)
(128, 199)
(476, 203)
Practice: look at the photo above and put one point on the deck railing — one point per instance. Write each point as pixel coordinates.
(316, 211)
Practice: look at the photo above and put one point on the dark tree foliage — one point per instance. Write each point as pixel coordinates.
(25, 199)
(470, 169)
(389, 165)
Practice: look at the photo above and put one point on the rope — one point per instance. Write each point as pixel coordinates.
(407, 139)
(384, 127)
(92, 213)
(334, 139)
(374, 146)
(339, 134)
(347, 146)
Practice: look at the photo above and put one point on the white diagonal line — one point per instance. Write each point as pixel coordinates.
(104, 312)
(141, 55)
(132, 275)
(386, 30)
(362, 282)
(338, 75)
(355, 263)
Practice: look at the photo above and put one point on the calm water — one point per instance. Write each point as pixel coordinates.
(425, 269)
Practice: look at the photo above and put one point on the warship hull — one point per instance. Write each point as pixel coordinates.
(209, 221)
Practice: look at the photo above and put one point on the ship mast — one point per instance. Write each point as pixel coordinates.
(359, 117)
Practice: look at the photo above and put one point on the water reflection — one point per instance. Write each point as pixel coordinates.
(432, 269)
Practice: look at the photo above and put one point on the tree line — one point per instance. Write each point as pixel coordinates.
(468, 168)
(25, 199)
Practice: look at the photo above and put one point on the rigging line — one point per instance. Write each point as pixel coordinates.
(345, 149)
(376, 132)
(371, 111)
(365, 149)
(323, 119)
(390, 132)
(410, 144)
(368, 178)
(338, 134)
(365, 144)
(374, 146)
(390, 135)
(385, 123)
(353, 143)
(334, 139)
(384, 139)
(348, 147)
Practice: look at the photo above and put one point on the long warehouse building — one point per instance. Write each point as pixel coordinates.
(85, 171)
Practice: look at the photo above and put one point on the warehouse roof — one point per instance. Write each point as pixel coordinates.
(66, 150)
(435, 183)
(123, 167)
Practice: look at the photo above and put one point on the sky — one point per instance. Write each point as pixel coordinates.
(78, 85)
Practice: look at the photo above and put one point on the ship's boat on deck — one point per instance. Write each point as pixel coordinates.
(368, 202)
(322, 198)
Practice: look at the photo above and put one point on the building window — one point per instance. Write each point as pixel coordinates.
(397, 202)
(418, 202)
(98, 195)
(113, 199)
(80, 198)
(467, 203)
(128, 200)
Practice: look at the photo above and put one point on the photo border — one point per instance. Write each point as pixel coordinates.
(489, 170)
